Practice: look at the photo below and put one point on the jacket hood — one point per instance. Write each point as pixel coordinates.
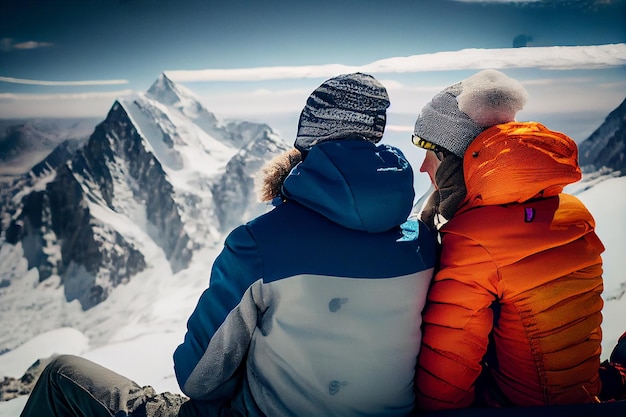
(354, 183)
(518, 161)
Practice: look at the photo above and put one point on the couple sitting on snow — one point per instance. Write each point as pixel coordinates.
(333, 304)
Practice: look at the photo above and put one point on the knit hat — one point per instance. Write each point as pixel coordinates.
(459, 113)
(343, 106)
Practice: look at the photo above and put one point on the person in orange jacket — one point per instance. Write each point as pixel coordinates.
(514, 311)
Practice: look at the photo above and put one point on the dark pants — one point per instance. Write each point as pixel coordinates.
(73, 386)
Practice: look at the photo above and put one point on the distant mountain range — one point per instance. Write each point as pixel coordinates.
(23, 143)
(160, 173)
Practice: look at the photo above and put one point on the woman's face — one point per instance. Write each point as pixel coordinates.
(430, 165)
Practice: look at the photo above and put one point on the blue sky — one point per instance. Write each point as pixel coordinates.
(69, 58)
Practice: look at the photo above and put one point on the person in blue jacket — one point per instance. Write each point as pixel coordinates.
(314, 308)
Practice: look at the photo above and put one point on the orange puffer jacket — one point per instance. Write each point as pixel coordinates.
(519, 244)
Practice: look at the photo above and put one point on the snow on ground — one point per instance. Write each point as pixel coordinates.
(65, 339)
(137, 329)
(607, 203)
(133, 333)
(13, 408)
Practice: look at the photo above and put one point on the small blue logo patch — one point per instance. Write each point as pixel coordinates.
(410, 230)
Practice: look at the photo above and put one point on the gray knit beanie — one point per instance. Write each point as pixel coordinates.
(344, 106)
(459, 113)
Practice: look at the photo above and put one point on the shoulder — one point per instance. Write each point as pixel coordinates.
(478, 220)
(279, 219)
(514, 231)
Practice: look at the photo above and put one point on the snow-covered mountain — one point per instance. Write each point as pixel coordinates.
(159, 180)
(605, 149)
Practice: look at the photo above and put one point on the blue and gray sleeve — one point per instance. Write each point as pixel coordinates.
(207, 363)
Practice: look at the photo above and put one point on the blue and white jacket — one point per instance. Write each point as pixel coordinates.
(314, 308)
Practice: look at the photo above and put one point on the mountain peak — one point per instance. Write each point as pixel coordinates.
(176, 96)
(168, 92)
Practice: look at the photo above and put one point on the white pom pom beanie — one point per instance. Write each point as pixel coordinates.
(459, 113)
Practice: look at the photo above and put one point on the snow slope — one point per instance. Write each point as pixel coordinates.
(607, 203)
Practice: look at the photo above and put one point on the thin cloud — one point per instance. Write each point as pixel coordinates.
(551, 58)
(7, 44)
(613, 86)
(61, 83)
(69, 96)
(32, 45)
(88, 104)
(552, 81)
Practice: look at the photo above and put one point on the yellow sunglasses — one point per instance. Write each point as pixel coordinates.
(429, 146)
(423, 143)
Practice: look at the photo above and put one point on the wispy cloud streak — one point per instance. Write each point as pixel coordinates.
(7, 44)
(32, 45)
(68, 96)
(552, 58)
(61, 83)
